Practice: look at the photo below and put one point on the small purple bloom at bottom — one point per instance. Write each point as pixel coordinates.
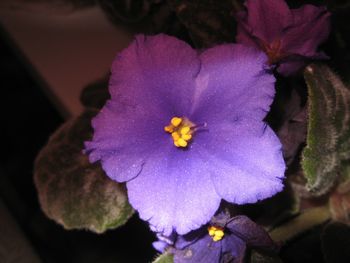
(224, 240)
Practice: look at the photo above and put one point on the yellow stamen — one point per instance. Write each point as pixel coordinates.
(182, 142)
(216, 232)
(175, 136)
(168, 129)
(186, 137)
(176, 121)
(181, 130)
(185, 130)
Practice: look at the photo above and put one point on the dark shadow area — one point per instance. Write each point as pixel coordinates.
(27, 120)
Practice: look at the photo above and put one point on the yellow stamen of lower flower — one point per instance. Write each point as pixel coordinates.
(216, 232)
(168, 129)
(181, 142)
(181, 130)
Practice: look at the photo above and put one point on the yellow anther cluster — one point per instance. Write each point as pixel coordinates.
(216, 232)
(181, 132)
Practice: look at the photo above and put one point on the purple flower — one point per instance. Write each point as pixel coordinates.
(288, 36)
(185, 130)
(225, 240)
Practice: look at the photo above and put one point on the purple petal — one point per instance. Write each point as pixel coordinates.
(160, 246)
(284, 33)
(152, 81)
(117, 141)
(174, 190)
(311, 27)
(244, 159)
(233, 248)
(205, 250)
(251, 233)
(184, 241)
(268, 18)
(233, 83)
(290, 67)
(156, 73)
(245, 32)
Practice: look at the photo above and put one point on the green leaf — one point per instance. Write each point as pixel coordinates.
(74, 192)
(165, 258)
(328, 139)
(209, 22)
(335, 240)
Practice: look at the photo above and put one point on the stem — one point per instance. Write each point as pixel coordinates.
(306, 220)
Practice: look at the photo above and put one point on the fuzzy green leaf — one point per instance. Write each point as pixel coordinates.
(209, 22)
(165, 258)
(328, 139)
(74, 192)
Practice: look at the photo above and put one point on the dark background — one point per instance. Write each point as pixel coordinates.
(27, 120)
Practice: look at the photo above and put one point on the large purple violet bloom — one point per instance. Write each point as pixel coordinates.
(288, 36)
(224, 240)
(185, 130)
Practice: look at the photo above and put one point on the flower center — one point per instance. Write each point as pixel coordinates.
(216, 232)
(181, 130)
(273, 51)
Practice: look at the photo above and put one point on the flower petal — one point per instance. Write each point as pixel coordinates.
(204, 250)
(152, 81)
(160, 246)
(245, 160)
(233, 249)
(156, 72)
(174, 191)
(118, 143)
(233, 83)
(245, 33)
(251, 233)
(291, 67)
(268, 18)
(184, 241)
(310, 28)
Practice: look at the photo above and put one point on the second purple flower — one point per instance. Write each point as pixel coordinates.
(289, 37)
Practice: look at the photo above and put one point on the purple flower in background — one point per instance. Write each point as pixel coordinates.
(288, 36)
(185, 130)
(223, 241)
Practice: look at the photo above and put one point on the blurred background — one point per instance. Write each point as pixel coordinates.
(49, 52)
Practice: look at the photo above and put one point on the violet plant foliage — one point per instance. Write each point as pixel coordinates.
(290, 37)
(185, 130)
(223, 240)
